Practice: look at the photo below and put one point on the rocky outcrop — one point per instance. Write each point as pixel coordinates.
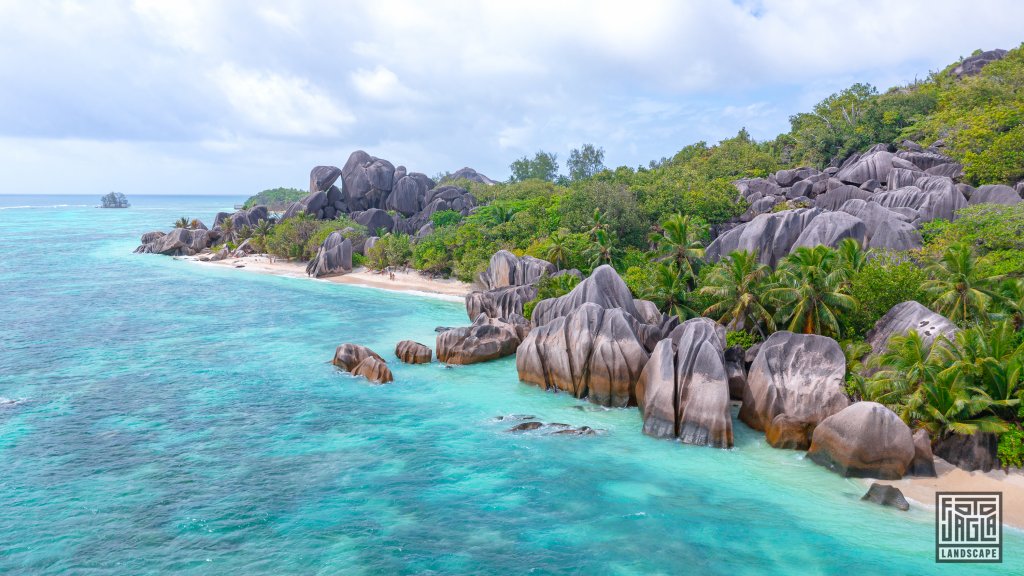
(736, 370)
(974, 452)
(500, 302)
(591, 352)
(995, 194)
(864, 440)
(829, 229)
(923, 463)
(178, 242)
(907, 316)
(507, 269)
(413, 352)
(972, 65)
(486, 339)
(322, 178)
(871, 166)
(683, 390)
(604, 288)
(836, 197)
(770, 236)
(795, 382)
(886, 495)
(467, 174)
(361, 361)
(883, 228)
(333, 257)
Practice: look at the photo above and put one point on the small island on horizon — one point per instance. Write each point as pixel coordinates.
(114, 200)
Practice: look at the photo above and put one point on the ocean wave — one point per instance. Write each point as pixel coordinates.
(50, 206)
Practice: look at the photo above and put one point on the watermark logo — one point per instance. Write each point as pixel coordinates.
(968, 527)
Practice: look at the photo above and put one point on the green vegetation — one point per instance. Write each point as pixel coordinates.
(300, 237)
(550, 287)
(390, 251)
(275, 198)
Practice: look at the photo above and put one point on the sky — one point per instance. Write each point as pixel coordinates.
(225, 97)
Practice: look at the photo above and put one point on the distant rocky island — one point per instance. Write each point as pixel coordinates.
(114, 200)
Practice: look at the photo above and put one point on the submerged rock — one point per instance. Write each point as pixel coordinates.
(796, 381)
(865, 440)
(413, 352)
(886, 496)
(361, 361)
(486, 339)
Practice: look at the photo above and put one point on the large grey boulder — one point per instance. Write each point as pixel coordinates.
(486, 339)
(972, 65)
(938, 199)
(829, 229)
(604, 288)
(995, 194)
(864, 440)
(507, 269)
(334, 256)
(836, 197)
(907, 316)
(900, 177)
(886, 495)
(683, 390)
(924, 461)
(736, 370)
(366, 181)
(591, 352)
(922, 160)
(870, 166)
(884, 229)
(374, 219)
(467, 174)
(770, 236)
(322, 178)
(796, 381)
(977, 451)
(407, 196)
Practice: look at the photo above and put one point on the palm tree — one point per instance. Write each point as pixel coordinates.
(851, 259)
(736, 284)
(807, 295)
(946, 405)
(557, 251)
(959, 289)
(501, 214)
(227, 229)
(855, 351)
(1011, 301)
(680, 243)
(260, 234)
(182, 222)
(599, 223)
(602, 251)
(671, 292)
(990, 360)
(907, 363)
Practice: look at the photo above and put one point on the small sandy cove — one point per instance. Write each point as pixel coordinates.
(408, 281)
(952, 479)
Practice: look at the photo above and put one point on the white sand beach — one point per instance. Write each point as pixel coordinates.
(407, 281)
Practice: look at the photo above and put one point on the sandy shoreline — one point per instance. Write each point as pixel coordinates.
(921, 491)
(409, 281)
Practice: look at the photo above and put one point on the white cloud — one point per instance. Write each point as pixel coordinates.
(281, 105)
(381, 84)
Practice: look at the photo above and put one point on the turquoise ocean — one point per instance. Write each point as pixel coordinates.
(159, 416)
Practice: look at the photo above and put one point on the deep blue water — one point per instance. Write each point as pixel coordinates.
(172, 417)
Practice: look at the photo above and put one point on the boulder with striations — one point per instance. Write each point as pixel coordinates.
(770, 236)
(590, 352)
(333, 257)
(412, 352)
(485, 339)
(907, 316)
(795, 382)
(683, 390)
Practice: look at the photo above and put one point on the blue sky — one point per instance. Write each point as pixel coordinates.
(206, 97)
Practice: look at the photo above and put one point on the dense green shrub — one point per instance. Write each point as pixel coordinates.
(741, 338)
(445, 218)
(550, 287)
(883, 282)
(390, 250)
(275, 197)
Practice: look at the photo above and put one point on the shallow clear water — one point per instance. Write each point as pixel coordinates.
(173, 417)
